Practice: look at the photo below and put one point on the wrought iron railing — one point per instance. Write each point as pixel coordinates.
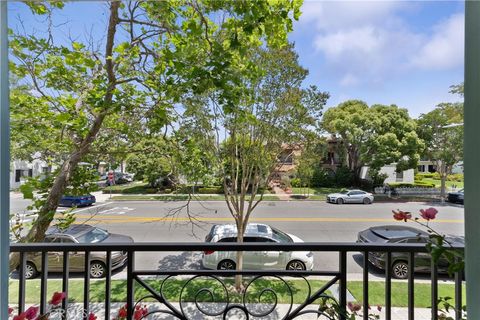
(134, 277)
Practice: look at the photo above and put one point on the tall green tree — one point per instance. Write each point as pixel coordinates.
(442, 131)
(374, 136)
(245, 140)
(153, 55)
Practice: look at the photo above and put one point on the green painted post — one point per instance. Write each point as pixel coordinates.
(472, 156)
(4, 163)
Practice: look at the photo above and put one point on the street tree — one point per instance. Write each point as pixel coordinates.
(152, 54)
(374, 136)
(442, 131)
(243, 141)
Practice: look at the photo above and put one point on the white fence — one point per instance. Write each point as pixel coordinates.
(408, 191)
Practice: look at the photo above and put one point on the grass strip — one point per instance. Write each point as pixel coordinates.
(181, 197)
(172, 290)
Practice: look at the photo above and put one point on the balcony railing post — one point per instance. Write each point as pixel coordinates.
(388, 286)
(365, 285)
(343, 284)
(130, 284)
(411, 291)
(434, 293)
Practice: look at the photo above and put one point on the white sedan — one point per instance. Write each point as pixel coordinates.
(350, 196)
(255, 260)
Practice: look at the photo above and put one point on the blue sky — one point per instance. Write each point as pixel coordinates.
(406, 53)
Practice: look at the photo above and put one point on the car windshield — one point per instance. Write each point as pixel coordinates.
(93, 236)
(460, 191)
(344, 192)
(280, 236)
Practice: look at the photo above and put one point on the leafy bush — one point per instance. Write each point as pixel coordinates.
(419, 177)
(427, 175)
(210, 190)
(344, 177)
(285, 182)
(458, 177)
(296, 182)
(322, 178)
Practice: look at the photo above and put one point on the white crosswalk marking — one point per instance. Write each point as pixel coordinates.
(116, 210)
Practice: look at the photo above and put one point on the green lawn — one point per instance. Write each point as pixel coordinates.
(173, 287)
(180, 197)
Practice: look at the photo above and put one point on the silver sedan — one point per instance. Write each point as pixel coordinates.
(350, 196)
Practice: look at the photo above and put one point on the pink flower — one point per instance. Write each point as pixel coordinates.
(428, 214)
(401, 215)
(379, 308)
(354, 307)
(57, 298)
(10, 310)
(31, 312)
(92, 316)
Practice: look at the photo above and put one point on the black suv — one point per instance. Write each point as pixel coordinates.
(402, 234)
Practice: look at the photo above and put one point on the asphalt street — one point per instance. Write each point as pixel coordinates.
(315, 221)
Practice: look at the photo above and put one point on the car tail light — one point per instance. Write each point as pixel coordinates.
(207, 252)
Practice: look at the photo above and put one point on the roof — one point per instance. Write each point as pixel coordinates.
(253, 229)
(73, 230)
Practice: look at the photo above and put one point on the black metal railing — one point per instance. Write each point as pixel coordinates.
(134, 277)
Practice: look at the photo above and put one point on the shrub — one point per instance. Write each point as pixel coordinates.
(419, 177)
(458, 177)
(343, 177)
(285, 182)
(210, 190)
(296, 182)
(322, 178)
(427, 175)
(419, 184)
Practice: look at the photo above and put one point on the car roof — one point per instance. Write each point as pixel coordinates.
(73, 230)
(394, 232)
(252, 229)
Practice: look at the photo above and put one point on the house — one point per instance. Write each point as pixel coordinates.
(332, 160)
(20, 170)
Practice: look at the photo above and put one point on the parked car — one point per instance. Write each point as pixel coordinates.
(255, 260)
(456, 197)
(350, 196)
(402, 234)
(77, 201)
(78, 233)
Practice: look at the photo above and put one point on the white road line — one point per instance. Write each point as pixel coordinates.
(92, 208)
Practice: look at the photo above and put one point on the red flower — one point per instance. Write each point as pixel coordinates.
(10, 310)
(57, 298)
(354, 307)
(91, 316)
(31, 312)
(140, 312)
(401, 215)
(21, 316)
(379, 308)
(122, 313)
(428, 214)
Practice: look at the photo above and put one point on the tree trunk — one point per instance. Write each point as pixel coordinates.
(443, 178)
(238, 278)
(47, 212)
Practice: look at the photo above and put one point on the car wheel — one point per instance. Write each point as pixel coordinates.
(30, 270)
(226, 265)
(366, 201)
(296, 265)
(97, 269)
(400, 270)
(340, 201)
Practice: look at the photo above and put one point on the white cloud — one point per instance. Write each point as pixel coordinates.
(369, 42)
(445, 48)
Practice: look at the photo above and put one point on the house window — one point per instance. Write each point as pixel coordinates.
(22, 173)
(399, 176)
(286, 158)
(421, 168)
(46, 170)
